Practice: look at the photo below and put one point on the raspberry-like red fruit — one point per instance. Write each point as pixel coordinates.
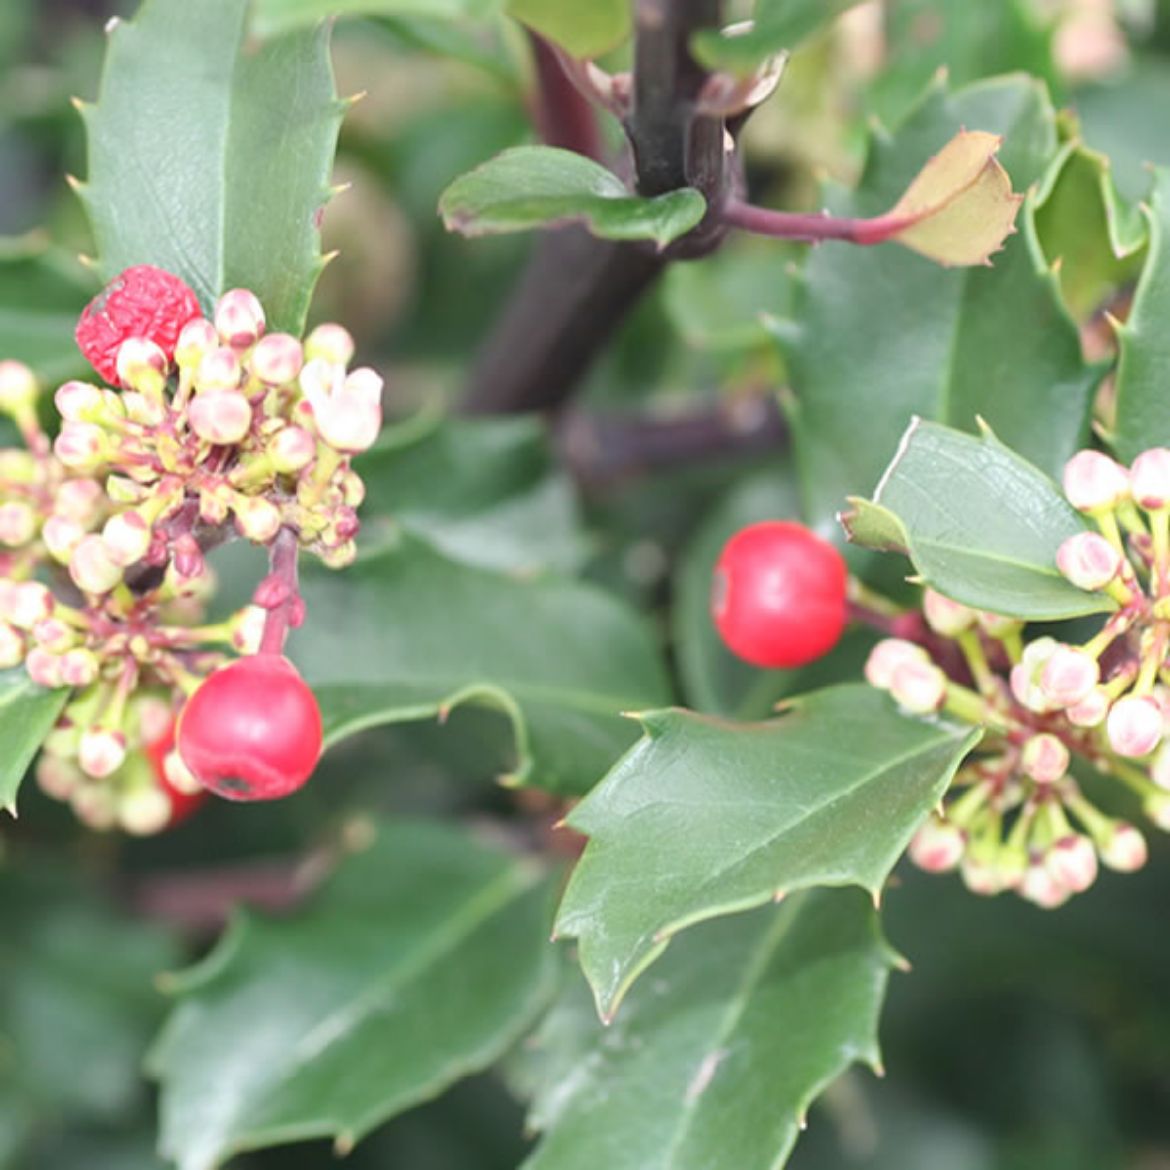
(778, 596)
(142, 301)
(252, 731)
(183, 804)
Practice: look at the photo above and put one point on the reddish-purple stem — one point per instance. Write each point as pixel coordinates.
(562, 114)
(282, 562)
(788, 225)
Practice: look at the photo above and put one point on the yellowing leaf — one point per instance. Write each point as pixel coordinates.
(960, 207)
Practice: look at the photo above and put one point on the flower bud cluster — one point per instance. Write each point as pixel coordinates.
(1015, 818)
(228, 430)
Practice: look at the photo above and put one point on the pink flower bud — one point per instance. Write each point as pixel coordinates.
(78, 402)
(277, 359)
(945, 616)
(44, 668)
(346, 524)
(188, 557)
(257, 519)
(80, 500)
(61, 536)
(331, 343)
(18, 523)
(353, 488)
(101, 752)
(340, 557)
(1068, 676)
(1093, 482)
(26, 603)
(54, 635)
(223, 417)
(1088, 560)
(1124, 849)
(18, 387)
(81, 446)
(937, 846)
(178, 775)
(91, 567)
(1044, 758)
(887, 656)
(1072, 862)
(291, 449)
(919, 687)
(1134, 726)
(997, 625)
(1025, 675)
(239, 318)
(197, 339)
(79, 667)
(12, 648)
(144, 810)
(142, 366)
(148, 412)
(1090, 711)
(95, 805)
(220, 369)
(981, 875)
(127, 538)
(1149, 479)
(57, 777)
(1040, 887)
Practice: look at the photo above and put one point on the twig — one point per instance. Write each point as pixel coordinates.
(563, 116)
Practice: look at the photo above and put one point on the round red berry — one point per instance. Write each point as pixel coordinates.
(183, 804)
(143, 301)
(252, 731)
(778, 596)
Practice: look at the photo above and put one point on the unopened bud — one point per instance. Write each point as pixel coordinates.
(142, 366)
(222, 417)
(1088, 560)
(239, 318)
(18, 388)
(945, 616)
(257, 518)
(937, 846)
(919, 687)
(91, 567)
(342, 556)
(95, 805)
(291, 449)
(219, 369)
(1091, 710)
(54, 635)
(1041, 887)
(353, 488)
(80, 500)
(331, 343)
(82, 446)
(887, 656)
(101, 752)
(144, 810)
(178, 775)
(1072, 861)
(197, 339)
(188, 559)
(61, 536)
(1044, 758)
(17, 466)
(12, 647)
(127, 538)
(79, 402)
(1068, 676)
(79, 667)
(1124, 849)
(277, 359)
(57, 777)
(1149, 479)
(1025, 675)
(25, 603)
(1134, 726)
(44, 668)
(248, 629)
(18, 523)
(1093, 482)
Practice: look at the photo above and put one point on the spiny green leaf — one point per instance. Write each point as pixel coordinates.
(1143, 371)
(879, 336)
(704, 817)
(582, 30)
(980, 524)
(210, 157)
(538, 186)
(715, 1062)
(422, 961)
(407, 634)
(27, 714)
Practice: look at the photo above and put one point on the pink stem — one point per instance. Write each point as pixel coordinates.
(282, 562)
(787, 225)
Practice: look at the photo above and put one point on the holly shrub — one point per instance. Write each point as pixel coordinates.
(568, 568)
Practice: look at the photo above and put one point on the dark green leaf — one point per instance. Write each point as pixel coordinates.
(211, 158)
(484, 491)
(422, 961)
(980, 524)
(538, 186)
(27, 713)
(715, 1062)
(406, 634)
(271, 17)
(705, 817)
(582, 30)
(1143, 371)
(778, 25)
(881, 335)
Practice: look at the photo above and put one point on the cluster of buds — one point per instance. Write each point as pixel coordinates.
(1015, 817)
(216, 429)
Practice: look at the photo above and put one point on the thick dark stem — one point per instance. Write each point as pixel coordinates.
(578, 289)
(562, 115)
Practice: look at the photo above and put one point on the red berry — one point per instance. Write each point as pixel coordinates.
(779, 594)
(183, 804)
(143, 301)
(252, 731)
